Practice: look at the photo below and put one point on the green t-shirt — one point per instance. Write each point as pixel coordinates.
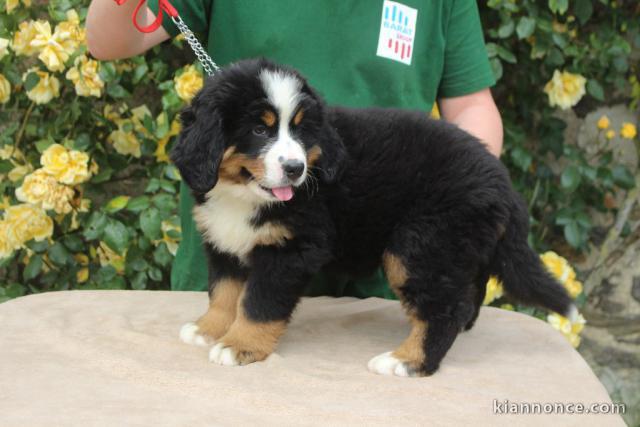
(358, 53)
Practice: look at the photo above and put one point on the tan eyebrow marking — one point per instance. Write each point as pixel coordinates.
(269, 118)
(298, 117)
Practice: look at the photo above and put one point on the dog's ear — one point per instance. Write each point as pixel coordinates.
(334, 155)
(200, 146)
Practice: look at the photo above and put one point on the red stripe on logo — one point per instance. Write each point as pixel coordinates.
(396, 49)
(402, 52)
(408, 51)
(390, 42)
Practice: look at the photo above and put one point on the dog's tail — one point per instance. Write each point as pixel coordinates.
(522, 273)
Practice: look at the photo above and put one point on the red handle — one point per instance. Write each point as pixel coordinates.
(163, 6)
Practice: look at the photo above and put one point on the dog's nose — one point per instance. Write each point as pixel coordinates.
(293, 168)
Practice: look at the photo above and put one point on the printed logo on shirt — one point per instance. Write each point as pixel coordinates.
(397, 31)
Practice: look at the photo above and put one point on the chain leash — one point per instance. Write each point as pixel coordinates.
(205, 60)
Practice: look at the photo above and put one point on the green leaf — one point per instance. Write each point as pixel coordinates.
(595, 89)
(82, 142)
(95, 226)
(506, 29)
(15, 290)
(570, 178)
(623, 178)
(162, 256)
(73, 242)
(6, 166)
(117, 203)
(506, 55)
(526, 27)
(572, 234)
(105, 274)
(117, 91)
(107, 72)
(521, 158)
(43, 144)
(165, 202)
(116, 283)
(38, 247)
(496, 67)
(139, 264)
(583, 10)
(33, 268)
(116, 236)
(138, 204)
(59, 255)
(155, 274)
(139, 281)
(559, 6)
(31, 81)
(150, 223)
(139, 72)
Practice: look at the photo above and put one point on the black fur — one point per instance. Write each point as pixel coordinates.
(389, 180)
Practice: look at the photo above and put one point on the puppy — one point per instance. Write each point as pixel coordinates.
(286, 186)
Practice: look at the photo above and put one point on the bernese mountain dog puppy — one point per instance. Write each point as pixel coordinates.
(286, 186)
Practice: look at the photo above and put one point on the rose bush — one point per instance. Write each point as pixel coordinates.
(89, 198)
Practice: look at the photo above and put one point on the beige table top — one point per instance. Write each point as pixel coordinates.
(113, 358)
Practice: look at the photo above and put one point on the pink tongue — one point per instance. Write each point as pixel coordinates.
(283, 193)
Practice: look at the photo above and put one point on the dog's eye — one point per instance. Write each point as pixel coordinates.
(260, 130)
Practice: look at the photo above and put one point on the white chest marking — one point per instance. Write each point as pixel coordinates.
(225, 220)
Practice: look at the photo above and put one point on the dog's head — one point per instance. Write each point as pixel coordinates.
(258, 125)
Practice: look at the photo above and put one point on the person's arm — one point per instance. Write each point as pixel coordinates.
(111, 34)
(477, 114)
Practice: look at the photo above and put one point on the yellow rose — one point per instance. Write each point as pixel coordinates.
(81, 259)
(125, 142)
(71, 29)
(571, 330)
(82, 275)
(12, 4)
(563, 272)
(54, 48)
(114, 114)
(4, 47)
(40, 188)
(161, 150)
(137, 118)
(48, 87)
(494, 291)
(628, 130)
(108, 257)
(67, 166)
(171, 242)
(27, 222)
(23, 37)
(565, 89)
(188, 83)
(19, 171)
(603, 123)
(5, 90)
(6, 246)
(84, 75)
(610, 134)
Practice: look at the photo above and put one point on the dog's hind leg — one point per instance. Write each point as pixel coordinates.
(436, 293)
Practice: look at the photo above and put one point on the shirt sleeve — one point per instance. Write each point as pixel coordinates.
(466, 64)
(195, 13)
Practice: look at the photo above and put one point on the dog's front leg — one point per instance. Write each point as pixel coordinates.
(277, 280)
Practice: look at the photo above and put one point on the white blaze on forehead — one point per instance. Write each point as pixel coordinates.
(283, 92)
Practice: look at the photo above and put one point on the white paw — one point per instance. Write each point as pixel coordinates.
(223, 355)
(386, 364)
(189, 334)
